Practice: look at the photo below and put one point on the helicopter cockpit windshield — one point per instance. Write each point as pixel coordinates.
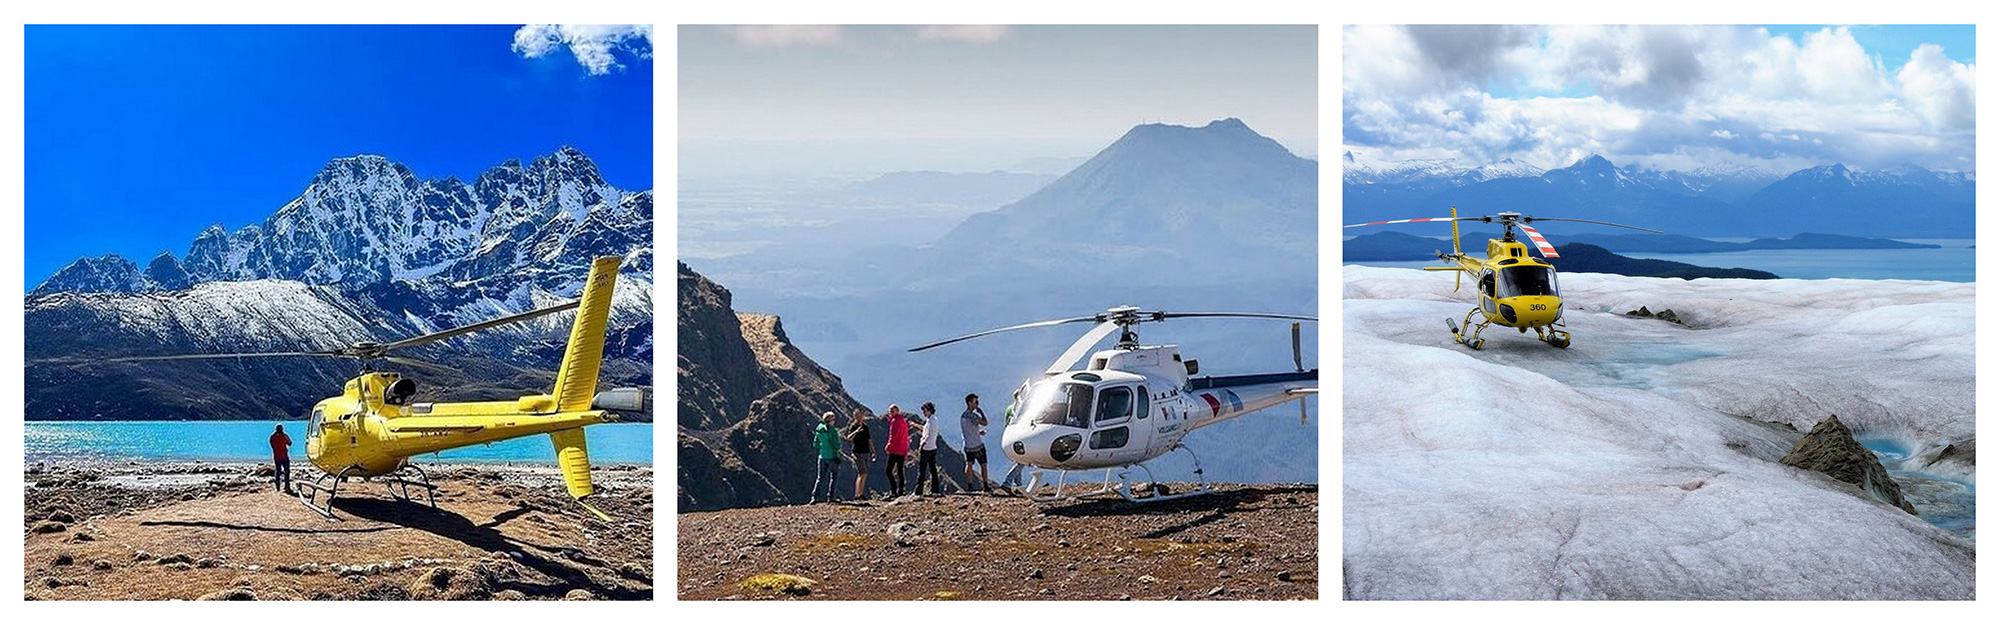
(1065, 404)
(1527, 280)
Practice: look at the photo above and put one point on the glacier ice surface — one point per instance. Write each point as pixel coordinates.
(1641, 462)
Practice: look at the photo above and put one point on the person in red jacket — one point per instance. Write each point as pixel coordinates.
(897, 450)
(281, 455)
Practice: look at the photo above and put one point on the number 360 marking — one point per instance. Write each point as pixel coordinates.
(1538, 307)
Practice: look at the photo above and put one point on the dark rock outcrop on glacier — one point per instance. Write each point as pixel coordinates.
(1830, 448)
(367, 252)
(748, 402)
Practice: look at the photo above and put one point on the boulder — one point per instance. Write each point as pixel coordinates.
(230, 594)
(449, 584)
(1830, 448)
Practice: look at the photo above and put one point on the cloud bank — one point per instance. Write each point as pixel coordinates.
(595, 46)
(1668, 97)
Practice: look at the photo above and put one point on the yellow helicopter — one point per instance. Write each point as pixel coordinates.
(1516, 289)
(372, 429)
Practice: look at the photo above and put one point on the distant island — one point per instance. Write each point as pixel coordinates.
(1678, 244)
(1587, 258)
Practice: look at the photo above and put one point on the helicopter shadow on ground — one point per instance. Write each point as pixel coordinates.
(487, 537)
(263, 528)
(1217, 505)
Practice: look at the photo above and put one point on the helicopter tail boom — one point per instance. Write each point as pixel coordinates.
(576, 379)
(1228, 397)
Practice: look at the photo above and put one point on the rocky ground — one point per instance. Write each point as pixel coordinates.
(1241, 542)
(220, 531)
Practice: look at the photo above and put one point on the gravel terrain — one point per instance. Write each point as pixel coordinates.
(1241, 542)
(157, 531)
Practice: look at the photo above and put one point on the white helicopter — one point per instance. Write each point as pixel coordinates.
(1131, 404)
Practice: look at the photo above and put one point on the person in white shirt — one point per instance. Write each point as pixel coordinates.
(927, 466)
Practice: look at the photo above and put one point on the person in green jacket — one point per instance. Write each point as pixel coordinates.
(827, 442)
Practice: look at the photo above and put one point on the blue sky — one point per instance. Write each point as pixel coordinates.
(140, 137)
(1662, 97)
(860, 100)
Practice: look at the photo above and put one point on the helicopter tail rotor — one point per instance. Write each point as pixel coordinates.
(1298, 360)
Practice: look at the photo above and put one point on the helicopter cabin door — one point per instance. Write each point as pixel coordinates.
(1117, 434)
(1486, 292)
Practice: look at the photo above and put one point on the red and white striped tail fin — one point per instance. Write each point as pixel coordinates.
(1541, 243)
(1402, 221)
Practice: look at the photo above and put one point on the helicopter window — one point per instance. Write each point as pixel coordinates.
(1066, 404)
(1144, 400)
(1111, 438)
(1527, 280)
(1114, 404)
(312, 428)
(1486, 283)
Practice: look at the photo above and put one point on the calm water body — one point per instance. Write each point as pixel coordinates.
(1954, 262)
(620, 443)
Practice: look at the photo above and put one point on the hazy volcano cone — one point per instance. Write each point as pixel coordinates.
(1831, 449)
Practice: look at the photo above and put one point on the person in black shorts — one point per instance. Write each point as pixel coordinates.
(972, 427)
(861, 442)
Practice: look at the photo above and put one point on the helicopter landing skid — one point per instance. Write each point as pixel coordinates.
(310, 491)
(398, 484)
(1555, 338)
(1473, 341)
(1154, 491)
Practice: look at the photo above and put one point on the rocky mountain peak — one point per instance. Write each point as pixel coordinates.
(165, 272)
(362, 168)
(109, 273)
(748, 401)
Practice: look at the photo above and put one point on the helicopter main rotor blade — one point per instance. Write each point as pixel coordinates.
(335, 354)
(1541, 242)
(1405, 221)
(1601, 223)
(1237, 314)
(1081, 347)
(1024, 326)
(467, 329)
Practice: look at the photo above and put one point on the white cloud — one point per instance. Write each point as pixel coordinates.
(595, 46)
(777, 36)
(1939, 89)
(1651, 94)
(964, 33)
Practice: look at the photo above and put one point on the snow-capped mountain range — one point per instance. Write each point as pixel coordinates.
(367, 252)
(1725, 199)
(367, 220)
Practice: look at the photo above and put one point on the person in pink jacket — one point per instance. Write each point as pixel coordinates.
(897, 450)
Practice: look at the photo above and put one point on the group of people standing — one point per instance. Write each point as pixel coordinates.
(895, 451)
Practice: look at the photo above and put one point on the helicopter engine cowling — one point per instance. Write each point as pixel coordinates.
(627, 399)
(400, 392)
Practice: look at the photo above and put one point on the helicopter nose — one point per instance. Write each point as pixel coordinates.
(1023, 444)
(1534, 310)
